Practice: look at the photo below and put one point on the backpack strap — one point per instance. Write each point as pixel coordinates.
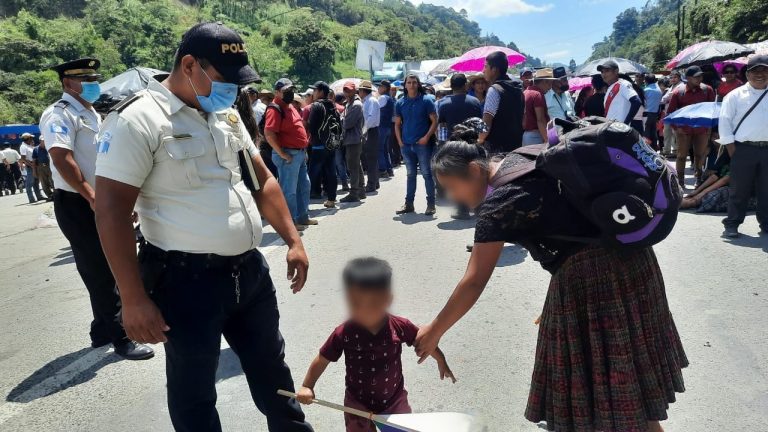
(506, 176)
(749, 111)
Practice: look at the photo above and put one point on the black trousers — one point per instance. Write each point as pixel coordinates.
(77, 223)
(371, 156)
(749, 172)
(650, 129)
(10, 176)
(202, 297)
(322, 170)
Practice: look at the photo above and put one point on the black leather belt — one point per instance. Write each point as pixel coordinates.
(754, 143)
(194, 260)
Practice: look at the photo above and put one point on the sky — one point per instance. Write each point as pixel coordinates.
(553, 30)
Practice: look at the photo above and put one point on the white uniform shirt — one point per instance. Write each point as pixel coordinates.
(26, 151)
(185, 163)
(73, 127)
(620, 106)
(735, 105)
(11, 155)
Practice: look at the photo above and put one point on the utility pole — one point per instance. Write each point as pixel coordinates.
(677, 33)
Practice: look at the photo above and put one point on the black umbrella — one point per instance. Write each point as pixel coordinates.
(625, 67)
(708, 52)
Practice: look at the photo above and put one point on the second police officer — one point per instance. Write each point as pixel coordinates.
(177, 152)
(69, 128)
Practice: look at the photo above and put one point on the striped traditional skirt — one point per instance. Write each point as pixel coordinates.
(608, 357)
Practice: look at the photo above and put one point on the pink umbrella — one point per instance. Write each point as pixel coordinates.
(579, 83)
(474, 60)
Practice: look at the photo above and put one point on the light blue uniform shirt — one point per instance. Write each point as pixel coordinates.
(652, 98)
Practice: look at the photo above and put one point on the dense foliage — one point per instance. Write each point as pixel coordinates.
(648, 35)
(304, 39)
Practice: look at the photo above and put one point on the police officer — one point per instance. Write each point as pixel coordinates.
(69, 129)
(175, 151)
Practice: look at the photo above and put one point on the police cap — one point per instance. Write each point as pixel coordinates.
(223, 48)
(80, 68)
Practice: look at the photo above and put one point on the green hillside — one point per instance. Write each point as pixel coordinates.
(304, 39)
(648, 35)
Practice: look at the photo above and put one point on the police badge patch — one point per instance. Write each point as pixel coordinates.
(103, 142)
(58, 128)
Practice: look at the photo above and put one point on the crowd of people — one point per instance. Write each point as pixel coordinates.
(207, 148)
(29, 168)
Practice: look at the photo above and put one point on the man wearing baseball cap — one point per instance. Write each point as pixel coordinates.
(179, 153)
(621, 100)
(743, 117)
(693, 92)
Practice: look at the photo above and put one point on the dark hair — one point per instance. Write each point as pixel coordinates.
(339, 98)
(387, 84)
(368, 273)
(243, 104)
(458, 81)
(637, 88)
(650, 78)
(454, 157)
(597, 82)
(421, 88)
(498, 60)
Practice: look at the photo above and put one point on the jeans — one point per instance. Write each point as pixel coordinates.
(341, 165)
(294, 181)
(201, 298)
(356, 180)
(532, 137)
(78, 224)
(371, 155)
(749, 171)
(385, 160)
(32, 183)
(322, 167)
(416, 156)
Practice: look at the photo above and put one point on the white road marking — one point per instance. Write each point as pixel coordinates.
(9, 410)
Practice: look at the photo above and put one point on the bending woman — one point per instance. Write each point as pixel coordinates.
(608, 356)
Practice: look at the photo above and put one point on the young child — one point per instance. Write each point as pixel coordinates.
(371, 341)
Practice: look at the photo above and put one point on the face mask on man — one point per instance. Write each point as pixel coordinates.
(223, 95)
(288, 96)
(90, 92)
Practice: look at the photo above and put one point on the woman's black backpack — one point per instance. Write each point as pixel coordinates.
(607, 171)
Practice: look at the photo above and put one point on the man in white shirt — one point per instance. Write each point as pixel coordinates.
(743, 117)
(372, 120)
(11, 172)
(621, 100)
(31, 184)
(173, 150)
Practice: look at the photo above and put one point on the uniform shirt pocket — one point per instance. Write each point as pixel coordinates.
(184, 152)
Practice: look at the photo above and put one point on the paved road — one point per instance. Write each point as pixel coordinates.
(51, 381)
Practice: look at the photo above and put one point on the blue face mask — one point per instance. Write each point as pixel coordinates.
(223, 95)
(91, 91)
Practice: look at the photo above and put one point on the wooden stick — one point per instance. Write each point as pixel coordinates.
(348, 410)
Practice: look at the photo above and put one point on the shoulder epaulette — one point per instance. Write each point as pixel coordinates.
(123, 104)
(61, 104)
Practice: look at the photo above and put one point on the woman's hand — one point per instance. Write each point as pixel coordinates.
(427, 341)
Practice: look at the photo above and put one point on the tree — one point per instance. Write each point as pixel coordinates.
(312, 52)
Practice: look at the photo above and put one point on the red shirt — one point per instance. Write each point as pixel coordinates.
(684, 96)
(727, 87)
(374, 369)
(289, 127)
(534, 98)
